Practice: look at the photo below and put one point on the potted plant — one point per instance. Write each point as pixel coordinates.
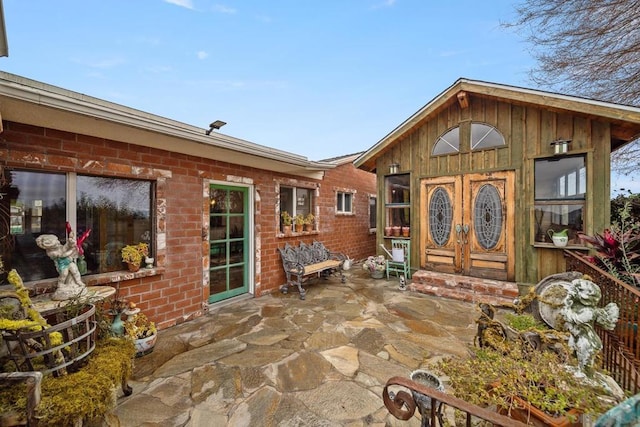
(375, 265)
(286, 222)
(525, 384)
(134, 254)
(138, 328)
(308, 222)
(299, 222)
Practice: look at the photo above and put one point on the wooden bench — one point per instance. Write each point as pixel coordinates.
(307, 260)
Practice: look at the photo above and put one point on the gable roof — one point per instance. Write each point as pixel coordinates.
(31, 102)
(625, 120)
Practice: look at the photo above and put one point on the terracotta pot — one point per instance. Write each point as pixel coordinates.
(308, 227)
(532, 415)
(405, 231)
(133, 267)
(286, 229)
(396, 231)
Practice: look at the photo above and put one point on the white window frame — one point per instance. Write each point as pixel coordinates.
(343, 196)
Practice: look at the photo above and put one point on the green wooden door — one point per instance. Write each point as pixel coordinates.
(228, 242)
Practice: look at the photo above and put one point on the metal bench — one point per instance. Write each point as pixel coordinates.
(306, 260)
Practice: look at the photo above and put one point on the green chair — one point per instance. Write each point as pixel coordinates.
(400, 258)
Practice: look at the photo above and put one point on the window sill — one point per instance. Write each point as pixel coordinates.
(297, 233)
(552, 246)
(48, 285)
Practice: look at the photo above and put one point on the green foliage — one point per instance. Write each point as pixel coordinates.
(522, 322)
(493, 377)
(617, 249)
(286, 218)
(85, 394)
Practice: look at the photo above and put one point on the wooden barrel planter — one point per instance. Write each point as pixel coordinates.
(37, 351)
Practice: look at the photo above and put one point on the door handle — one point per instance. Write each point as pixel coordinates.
(462, 230)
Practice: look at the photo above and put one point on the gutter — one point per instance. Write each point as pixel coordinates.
(41, 94)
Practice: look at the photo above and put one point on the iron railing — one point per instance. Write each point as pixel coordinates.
(402, 405)
(621, 346)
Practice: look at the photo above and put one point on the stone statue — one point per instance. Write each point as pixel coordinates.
(70, 283)
(580, 313)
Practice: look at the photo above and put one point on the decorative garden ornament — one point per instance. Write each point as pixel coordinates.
(70, 283)
(559, 238)
(403, 283)
(580, 313)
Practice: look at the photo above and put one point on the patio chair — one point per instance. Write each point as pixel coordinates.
(400, 258)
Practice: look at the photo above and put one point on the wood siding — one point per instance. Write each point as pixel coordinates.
(528, 131)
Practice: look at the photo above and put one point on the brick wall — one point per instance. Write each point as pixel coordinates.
(344, 232)
(177, 293)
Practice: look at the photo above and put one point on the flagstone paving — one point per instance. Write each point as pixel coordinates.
(280, 361)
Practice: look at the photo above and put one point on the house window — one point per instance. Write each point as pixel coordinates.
(373, 213)
(397, 200)
(483, 136)
(448, 143)
(344, 202)
(296, 201)
(117, 211)
(560, 193)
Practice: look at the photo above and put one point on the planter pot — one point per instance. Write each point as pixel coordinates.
(145, 345)
(534, 416)
(34, 351)
(377, 274)
(522, 411)
(388, 231)
(133, 267)
(308, 227)
(405, 231)
(286, 229)
(423, 402)
(396, 231)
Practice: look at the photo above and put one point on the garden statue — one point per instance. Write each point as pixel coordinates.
(580, 313)
(70, 283)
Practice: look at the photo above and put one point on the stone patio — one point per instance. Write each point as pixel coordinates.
(280, 361)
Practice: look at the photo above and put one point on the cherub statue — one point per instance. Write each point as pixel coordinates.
(580, 314)
(70, 283)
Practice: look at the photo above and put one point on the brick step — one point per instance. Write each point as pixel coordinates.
(464, 288)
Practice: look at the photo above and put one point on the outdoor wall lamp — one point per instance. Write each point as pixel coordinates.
(560, 146)
(215, 125)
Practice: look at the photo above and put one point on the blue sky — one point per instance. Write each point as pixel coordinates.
(316, 78)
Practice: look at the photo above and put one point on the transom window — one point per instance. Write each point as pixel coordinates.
(118, 212)
(448, 143)
(344, 202)
(483, 137)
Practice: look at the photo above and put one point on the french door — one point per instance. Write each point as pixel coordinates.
(467, 225)
(228, 241)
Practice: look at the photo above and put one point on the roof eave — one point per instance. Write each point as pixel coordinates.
(38, 104)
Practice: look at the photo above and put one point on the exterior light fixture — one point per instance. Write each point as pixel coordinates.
(215, 125)
(393, 168)
(560, 146)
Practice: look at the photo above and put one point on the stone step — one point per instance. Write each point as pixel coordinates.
(464, 288)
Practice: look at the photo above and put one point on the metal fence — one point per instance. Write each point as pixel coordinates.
(621, 346)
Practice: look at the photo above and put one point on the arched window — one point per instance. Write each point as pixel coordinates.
(448, 143)
(484, 136)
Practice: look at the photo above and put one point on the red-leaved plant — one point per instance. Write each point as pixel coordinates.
(618, 248)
